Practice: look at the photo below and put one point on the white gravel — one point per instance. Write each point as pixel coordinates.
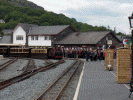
(30, 88)
(11, 70)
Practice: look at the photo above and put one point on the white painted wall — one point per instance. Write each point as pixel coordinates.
(19, 31)
(39, 42)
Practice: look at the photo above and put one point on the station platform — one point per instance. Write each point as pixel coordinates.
(96, 83)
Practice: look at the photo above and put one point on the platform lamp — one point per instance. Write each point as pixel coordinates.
(131, 81)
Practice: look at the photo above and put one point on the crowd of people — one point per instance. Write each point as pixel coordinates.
(88, 54)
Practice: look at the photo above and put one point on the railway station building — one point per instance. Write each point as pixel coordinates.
(31, 35)
(89, 39)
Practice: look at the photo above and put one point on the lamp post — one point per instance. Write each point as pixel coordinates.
(131, 81)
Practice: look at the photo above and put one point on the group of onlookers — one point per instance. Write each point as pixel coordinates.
(95, 55)
(88, 53)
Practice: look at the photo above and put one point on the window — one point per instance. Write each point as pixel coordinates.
(32, 37)
(36, 37)
(47, 37)
(19, 37)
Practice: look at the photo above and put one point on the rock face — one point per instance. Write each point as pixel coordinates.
(24, 3)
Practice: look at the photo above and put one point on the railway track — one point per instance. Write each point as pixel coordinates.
(27, 74)
(48, 62)
(30, 66)
(54, 91)
(6, 64)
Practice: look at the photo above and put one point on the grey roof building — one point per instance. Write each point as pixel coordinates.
(88, 39)
(66, 35)
(120, 37)
(5, 40)
(83, 38)
(47, 30)
(26, 27)
(55, 32)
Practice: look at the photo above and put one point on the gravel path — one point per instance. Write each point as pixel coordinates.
(30, 88)
(11, 70)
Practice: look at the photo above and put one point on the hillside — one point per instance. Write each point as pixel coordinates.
(13, 15)
(24, 3)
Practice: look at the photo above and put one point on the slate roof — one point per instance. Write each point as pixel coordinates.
(120, 37)
(48, 30)
(5, 40)
(27, 27)
(83, 37)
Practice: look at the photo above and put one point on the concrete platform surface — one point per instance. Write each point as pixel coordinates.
(99, 84)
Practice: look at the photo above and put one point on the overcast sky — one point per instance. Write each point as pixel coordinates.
(114, 13)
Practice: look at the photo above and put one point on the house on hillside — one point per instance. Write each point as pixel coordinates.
(2, 21)
(33, 35)
(92, 39)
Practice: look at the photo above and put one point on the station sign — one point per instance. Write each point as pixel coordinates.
(109, 42)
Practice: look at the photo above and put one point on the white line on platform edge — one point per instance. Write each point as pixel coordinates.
(79, 83)
(123, 84)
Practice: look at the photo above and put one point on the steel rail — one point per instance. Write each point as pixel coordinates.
(23, 76)
(48, 62)
(30, 66)
(55, 83)
(66, 84)
(6, 64)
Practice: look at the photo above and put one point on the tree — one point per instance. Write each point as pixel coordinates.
(11, 24)
(45, 24)
(119, 33)
(13, 15)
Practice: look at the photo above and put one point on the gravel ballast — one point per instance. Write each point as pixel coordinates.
(32, 87)
(12, 69)
(2, 61)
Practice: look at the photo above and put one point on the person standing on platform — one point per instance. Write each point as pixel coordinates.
(64, 55)
(80, 53)
(70, 53)
(83, 53)
(77, 50)
(104, 55)
(87, 54)
(74, 52)
(99, 53)
(95, 55)
(66, 52)
(91, 55)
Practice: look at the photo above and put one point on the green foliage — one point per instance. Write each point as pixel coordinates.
(14, 15)
(119, 33)
(5, 3)
(1, 33)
